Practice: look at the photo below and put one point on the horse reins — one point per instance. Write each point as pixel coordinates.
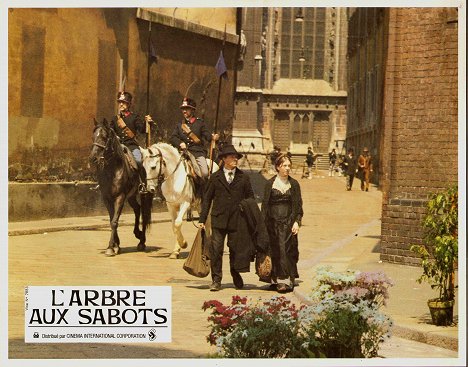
(105, 149)
(160, 177)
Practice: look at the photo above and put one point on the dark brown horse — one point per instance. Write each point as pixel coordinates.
(118, 182)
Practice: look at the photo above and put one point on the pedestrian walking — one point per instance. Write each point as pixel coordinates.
(127, 125)
(225, 190)
(282, 210)
(310, 160)
(365, 168)
(350, 168)
(332, 162)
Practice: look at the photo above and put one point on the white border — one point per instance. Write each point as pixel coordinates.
(5, 4)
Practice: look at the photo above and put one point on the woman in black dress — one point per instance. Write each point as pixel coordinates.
(282, 210)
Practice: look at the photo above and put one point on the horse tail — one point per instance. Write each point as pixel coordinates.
(146, 207)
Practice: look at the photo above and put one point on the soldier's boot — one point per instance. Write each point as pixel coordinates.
(189, 216)
(142, 176)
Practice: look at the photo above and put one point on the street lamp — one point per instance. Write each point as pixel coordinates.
(299, 15)
(302, 57)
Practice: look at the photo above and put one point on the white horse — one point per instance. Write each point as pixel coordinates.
(166, 166)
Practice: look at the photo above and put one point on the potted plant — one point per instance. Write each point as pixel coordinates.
(439, 252)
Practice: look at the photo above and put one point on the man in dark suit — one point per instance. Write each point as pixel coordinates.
(350, 167)
(226, 188)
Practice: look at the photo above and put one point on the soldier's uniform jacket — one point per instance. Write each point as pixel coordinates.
(134, 123)
(198, 127)
(365, 162)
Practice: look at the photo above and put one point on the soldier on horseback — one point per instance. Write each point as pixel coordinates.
(127, 125)
(189, 136)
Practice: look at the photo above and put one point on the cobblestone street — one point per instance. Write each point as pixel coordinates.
(340, 229)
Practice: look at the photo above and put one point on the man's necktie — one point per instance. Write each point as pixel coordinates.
(230, 177)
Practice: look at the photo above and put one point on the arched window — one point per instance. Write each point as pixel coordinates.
(306, 39)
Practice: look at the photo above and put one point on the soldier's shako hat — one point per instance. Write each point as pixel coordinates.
(124, 97)
(229, 149)
(188, 103)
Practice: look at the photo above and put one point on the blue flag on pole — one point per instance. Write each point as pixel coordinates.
(221, 68)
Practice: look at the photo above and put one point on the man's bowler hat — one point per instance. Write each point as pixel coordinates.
(188, 103)
(229, 149)
(124, 97)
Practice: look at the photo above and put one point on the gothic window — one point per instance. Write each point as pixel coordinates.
(300, 129)
(297, 130)
(307, 39)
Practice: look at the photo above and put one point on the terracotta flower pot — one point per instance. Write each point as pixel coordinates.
(441, 311)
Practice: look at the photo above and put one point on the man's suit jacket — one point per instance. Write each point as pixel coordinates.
(226, 199)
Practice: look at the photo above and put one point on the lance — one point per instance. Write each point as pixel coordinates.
(221, 71)
(148, 125)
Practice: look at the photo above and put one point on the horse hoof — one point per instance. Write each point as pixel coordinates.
(141, 247)
(174, 255)
(116, 250)
(110, 252)
(184, 245)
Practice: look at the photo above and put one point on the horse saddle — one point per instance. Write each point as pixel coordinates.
(193, 169)
(130, 158)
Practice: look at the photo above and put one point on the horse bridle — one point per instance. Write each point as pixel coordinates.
(161, 177)
(105, 148)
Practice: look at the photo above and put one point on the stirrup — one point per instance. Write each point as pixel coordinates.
(189, 216)
(142, 188)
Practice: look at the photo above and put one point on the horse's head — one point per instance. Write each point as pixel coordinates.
(155, 166)
(102, 143)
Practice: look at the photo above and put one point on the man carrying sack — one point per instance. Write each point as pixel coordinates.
(226, 188)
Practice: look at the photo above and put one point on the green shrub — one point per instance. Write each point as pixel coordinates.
(439, 251)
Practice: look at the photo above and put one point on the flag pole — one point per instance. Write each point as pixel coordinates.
(148, 126)
(220, 78)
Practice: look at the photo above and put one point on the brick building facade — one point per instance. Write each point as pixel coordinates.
(417, 113)
(66, 66)
(366, 62)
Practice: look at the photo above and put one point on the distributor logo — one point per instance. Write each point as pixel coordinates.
(152, 335)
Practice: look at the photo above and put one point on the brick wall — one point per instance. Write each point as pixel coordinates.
(365, 83)
(420, 121)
